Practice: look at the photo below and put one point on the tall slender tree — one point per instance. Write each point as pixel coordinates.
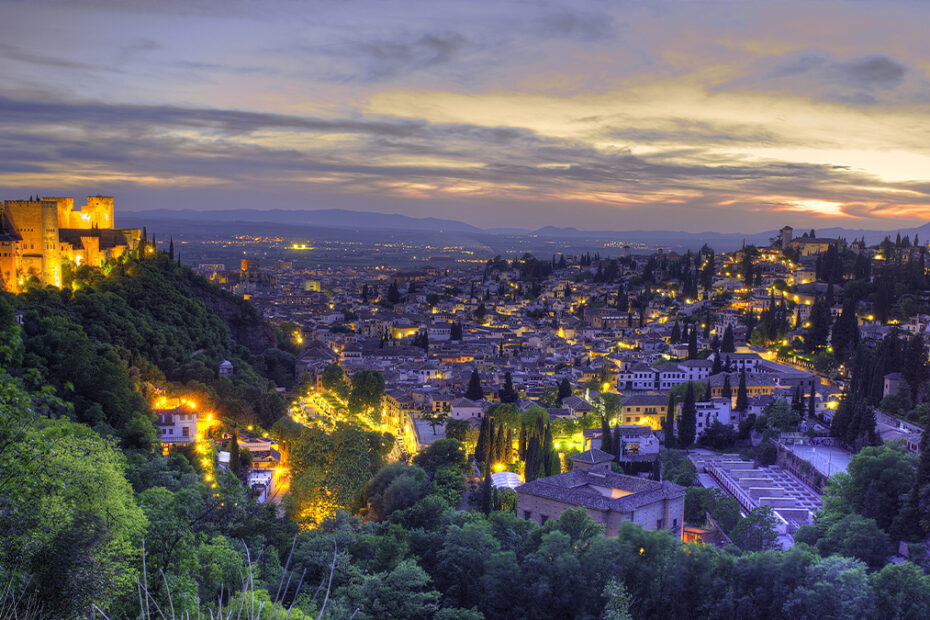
(489, 451)
(481, 443)
(914, 368)
(234, 465)
(486, 492)
(507, 394)
(531, 463)
(742, 397)
(728, 345)
(687, 423)
(474, 391)
(668, 425)
(606, 439)
(500, 445)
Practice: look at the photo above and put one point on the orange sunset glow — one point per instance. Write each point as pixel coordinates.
(726, 116)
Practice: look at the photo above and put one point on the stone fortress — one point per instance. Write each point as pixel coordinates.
(39, 235)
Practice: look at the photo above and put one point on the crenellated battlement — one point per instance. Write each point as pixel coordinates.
(37, 235)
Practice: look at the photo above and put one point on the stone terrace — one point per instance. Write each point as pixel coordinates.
(792, 501)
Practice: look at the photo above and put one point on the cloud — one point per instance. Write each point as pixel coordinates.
(14, 53)
(874, 72)
(388, 58)
(863, 80)
(138, 48)
(153, 146)
(581, 26)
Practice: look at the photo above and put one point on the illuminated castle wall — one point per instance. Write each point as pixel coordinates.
(38, 235)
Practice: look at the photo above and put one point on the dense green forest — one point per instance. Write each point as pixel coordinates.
(95, 521)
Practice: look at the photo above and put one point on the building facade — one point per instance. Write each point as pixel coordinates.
(609, 498)
(40, 234)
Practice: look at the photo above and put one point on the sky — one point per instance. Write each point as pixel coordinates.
(688, 115)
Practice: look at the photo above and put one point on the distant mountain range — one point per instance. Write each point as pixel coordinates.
(326, 218)
(367, 220)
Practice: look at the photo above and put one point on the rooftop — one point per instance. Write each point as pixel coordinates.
(602, 490)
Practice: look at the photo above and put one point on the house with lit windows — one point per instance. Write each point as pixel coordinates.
(608, 498)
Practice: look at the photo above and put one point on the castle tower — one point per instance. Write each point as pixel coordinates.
(9, 247)
(65, 209)
(100, 209)
(786, 234)
(36, 223)
(51, 252)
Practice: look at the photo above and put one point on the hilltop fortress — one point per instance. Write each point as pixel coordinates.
(40, 234)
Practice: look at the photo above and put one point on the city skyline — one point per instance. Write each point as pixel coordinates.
(712, 116)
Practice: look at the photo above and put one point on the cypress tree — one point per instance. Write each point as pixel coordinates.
(811, 406)
(508, 447)
(728, 346)
(507, 394)
(718, 365)
(486, 491)
(522, 446)
(669, 425)
(499, 445)
(531, 463)
(606, 440)
(915, 365)
(234, 452)
(687, 424)
(474, 391)
(548, 450)
(840, 423)
(676, 333)
(742, 398)
(617, 443)
(171, 248)
(727, 388)
(480, 448)
(922, 482)
(692, 344)
(565, 389)
(867, 434)
(845, 336)
(488, 456)
(819, 329)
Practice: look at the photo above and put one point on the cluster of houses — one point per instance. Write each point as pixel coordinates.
(183, 422)
(426, 331)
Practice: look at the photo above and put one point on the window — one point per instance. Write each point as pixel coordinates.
(527, 514)
(543, 519)
(185, 431)
(674, 522)
(659, 524)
